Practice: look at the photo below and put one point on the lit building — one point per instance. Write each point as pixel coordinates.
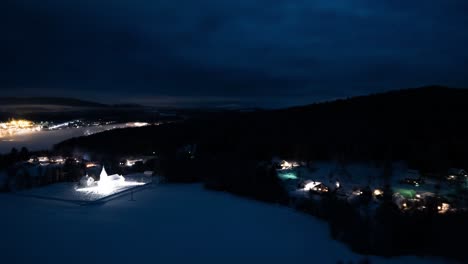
(109, 180)
(316, 187)
(285, 165)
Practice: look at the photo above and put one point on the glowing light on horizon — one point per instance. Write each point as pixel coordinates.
(59, 126)
(138, 124)
(17, 126)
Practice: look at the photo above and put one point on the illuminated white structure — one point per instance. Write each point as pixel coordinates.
(106, 181)
(107, 184)
(310, 185)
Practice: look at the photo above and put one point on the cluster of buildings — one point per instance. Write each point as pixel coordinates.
(363, 182)
(20, 126)
(48, 169)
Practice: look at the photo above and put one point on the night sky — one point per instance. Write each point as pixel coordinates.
(268, 53)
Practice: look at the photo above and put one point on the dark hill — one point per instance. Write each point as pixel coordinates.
(59, 101)
(425, 126)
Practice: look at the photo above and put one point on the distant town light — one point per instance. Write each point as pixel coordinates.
(132, 162)
(19, 126)
(43, 159)
(139, 124)
(57, 159)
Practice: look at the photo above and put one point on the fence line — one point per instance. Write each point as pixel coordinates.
(99, 201)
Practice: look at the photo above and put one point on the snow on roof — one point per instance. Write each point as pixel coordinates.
(103, 173)
(311, 185)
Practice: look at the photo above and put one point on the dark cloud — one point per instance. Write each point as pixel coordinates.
(262, 52)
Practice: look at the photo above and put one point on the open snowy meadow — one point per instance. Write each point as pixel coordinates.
(168, 224)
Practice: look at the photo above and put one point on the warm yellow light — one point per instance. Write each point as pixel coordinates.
(443, 208)
(90, 165)
(19, 126)
(378, 192)
(21, 123)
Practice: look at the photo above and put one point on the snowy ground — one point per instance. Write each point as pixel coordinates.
(69, 191)
(167, 224)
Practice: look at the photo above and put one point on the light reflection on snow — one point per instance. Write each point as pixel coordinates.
(108, 189)
(107, 184)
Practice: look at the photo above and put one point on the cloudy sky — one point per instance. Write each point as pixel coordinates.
(265, 52)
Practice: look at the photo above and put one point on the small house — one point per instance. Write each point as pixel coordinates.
(316, 187)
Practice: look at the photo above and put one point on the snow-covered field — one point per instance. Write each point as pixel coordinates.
(167, 224)
(69, 191)
(72, 192)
